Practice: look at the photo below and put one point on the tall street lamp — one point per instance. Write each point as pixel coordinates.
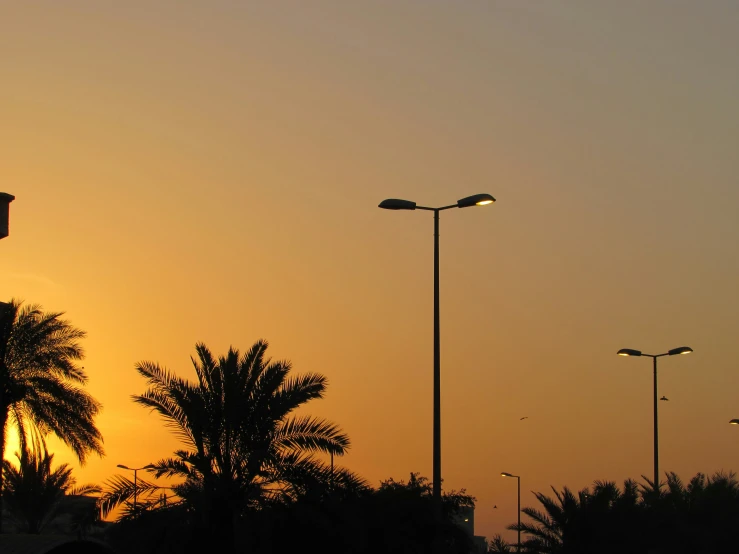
(5, 200)
(504, 474)
(135, 479)
(395, 204)
(673, 352)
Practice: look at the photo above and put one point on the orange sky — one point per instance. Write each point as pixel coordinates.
(211, 172)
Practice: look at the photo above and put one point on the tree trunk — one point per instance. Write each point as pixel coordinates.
(3, 420)
(7, 316)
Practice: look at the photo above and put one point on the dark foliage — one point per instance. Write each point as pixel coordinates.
(243, 446)
(396, 518)
(700, 518)
(33, 491)
(41, 383)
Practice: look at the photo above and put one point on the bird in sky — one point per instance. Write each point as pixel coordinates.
(665, 398)
(524, 417)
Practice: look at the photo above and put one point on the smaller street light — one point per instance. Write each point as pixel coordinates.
(135, 479)
(518, 478)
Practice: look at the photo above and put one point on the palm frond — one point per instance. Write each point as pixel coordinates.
(120, 489)
(308, 433)
(39, 365)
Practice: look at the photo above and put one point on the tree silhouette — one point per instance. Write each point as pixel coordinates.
(498, 545)
(120, 490)
(602, 520)
(700, 517)
(242, 445)
(33, 490)
(398, 517)
(40, 381)
(551, 526)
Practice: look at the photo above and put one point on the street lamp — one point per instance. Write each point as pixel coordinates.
(504, 474)
(395, 204)
(673, 352)
(5, 200)
(135, 479)
(734, 422)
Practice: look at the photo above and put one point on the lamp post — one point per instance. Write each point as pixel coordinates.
(5, 200)
(135, 479)
(673, 352)
(518, 478)
(395, 204)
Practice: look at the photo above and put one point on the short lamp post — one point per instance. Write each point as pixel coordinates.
(135, 479)
(395, 204)
(518, 478)
(673, 352)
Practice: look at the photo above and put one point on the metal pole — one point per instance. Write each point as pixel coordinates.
(518, 548)
(656, 441)
(135, 488)
(437, 373)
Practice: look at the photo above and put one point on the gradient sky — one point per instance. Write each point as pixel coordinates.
(210, 171)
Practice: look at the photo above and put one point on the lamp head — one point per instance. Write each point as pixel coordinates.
(681, 350)
(395, 204)
(122, 466)
(475, 200)
(505, 474)
(734, 422)
(629, 352)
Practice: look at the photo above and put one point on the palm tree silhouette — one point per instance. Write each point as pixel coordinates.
(40, 381)
(498, 545)
(242, 445)
(604, 519)
(701, 515)
(32, 491)
(549, 526)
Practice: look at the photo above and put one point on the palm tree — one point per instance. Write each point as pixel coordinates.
(32, 491)
(549, 528)
(241, 442)
(121, 490)
(40, 381)
(603, 520)
(700, 515)
(498, 545)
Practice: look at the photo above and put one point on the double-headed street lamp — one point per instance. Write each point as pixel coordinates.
(395, 204)
(135, 479)
(673, 352)
(504, 474)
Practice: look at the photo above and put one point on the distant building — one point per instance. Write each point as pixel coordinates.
(466, 520)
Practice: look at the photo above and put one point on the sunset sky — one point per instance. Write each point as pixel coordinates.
(210, 171)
